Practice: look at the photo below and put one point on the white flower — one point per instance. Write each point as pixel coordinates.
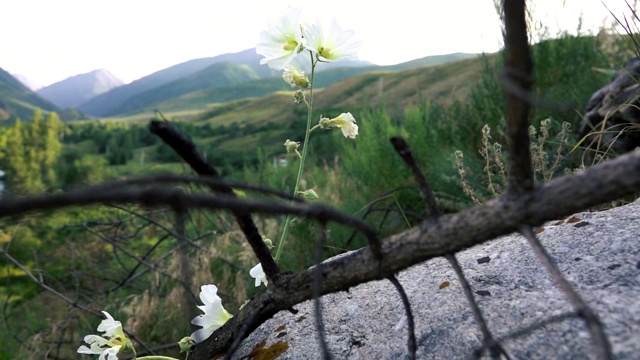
(331, 44)
(257, 273)
(294, 77)
(345, 121)
(214, 315)
(109, 345)
(283, 41)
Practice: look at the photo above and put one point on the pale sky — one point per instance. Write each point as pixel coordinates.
(50, 40)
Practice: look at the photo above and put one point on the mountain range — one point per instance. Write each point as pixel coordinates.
(195, 83)
(73, 91)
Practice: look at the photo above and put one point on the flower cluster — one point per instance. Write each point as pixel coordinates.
(279, 45)
(114, 340)
(108, 345)
(288, 36)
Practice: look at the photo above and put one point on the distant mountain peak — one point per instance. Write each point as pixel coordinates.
(108, 104)
(31, 85)
(17, 100)
(73, 91)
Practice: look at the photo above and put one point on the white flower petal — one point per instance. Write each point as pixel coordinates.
(110, 326)
(202, 334)
(85, 350)
(109, 354)
(282, 42)
(109, 345)
(257, 273)
(209, 294)
(215, 315)
(350, 130)
(331, 43)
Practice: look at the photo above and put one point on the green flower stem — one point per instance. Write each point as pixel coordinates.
(305, 148)
(315, 127)
(156, 358)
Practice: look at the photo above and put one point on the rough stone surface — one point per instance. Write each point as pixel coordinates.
(599, 252)
(615, 109)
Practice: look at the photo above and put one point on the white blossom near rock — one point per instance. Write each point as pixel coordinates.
(214, 315)
(257, 273)
(108, 345)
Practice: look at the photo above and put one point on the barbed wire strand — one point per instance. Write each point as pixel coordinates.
(594, 325)
(411, 338)
(404, 150)
(317, 292)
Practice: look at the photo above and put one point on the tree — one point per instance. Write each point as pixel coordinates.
(15, 162)
(51, 147)
(31, 153)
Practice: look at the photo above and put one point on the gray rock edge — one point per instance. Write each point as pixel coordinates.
(599, 254)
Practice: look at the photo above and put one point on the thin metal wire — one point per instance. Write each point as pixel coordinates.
(317, 293)
(411, 341)
(601, 342)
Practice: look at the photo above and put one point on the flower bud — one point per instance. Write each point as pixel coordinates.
(309, 194)
(298, 96)
(186, 343)
(294, 77)
(268, 242)
(291, 145)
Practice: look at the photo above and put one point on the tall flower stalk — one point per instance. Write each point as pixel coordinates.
(305, 150)
(279, 45)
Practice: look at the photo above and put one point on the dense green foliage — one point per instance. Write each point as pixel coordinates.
(30, 153)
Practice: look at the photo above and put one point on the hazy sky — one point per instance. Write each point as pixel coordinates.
(50, 40)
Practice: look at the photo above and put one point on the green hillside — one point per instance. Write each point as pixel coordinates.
(257, 88)
(105, 104)
(17, 101)
(214, 76)
(250, 89)
(233, 123)
(396, 89)
(430, 60)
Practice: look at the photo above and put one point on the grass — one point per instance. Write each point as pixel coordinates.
(134, 168)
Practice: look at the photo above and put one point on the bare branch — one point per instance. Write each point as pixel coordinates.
(175, 197)
(519, 71)
(184, 147)
(38, 281)
(403, 149)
